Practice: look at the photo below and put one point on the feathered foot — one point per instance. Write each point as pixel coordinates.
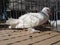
(32, 30)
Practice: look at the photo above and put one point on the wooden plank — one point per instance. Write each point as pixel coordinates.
(13, 40)
(35, 39)
(22, 37)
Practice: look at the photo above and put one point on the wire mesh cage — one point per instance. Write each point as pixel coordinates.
(16, 8)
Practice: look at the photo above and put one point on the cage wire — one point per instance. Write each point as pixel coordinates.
(16, 8)
(57, 14)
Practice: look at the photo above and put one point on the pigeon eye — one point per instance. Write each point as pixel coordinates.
(47, 9)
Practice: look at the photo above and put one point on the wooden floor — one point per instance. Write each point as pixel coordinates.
(20, 37)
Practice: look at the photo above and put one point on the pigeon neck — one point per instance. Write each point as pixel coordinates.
(44, 13)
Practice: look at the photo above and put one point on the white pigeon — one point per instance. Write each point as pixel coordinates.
(55, 24)
(31, 20)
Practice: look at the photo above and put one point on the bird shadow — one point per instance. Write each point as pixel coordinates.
(43, 27)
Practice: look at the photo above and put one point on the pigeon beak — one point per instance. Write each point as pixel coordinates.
(50, 13)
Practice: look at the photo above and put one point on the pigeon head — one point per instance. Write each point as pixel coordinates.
(47, 11)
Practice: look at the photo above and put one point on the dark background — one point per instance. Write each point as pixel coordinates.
(24, 6)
